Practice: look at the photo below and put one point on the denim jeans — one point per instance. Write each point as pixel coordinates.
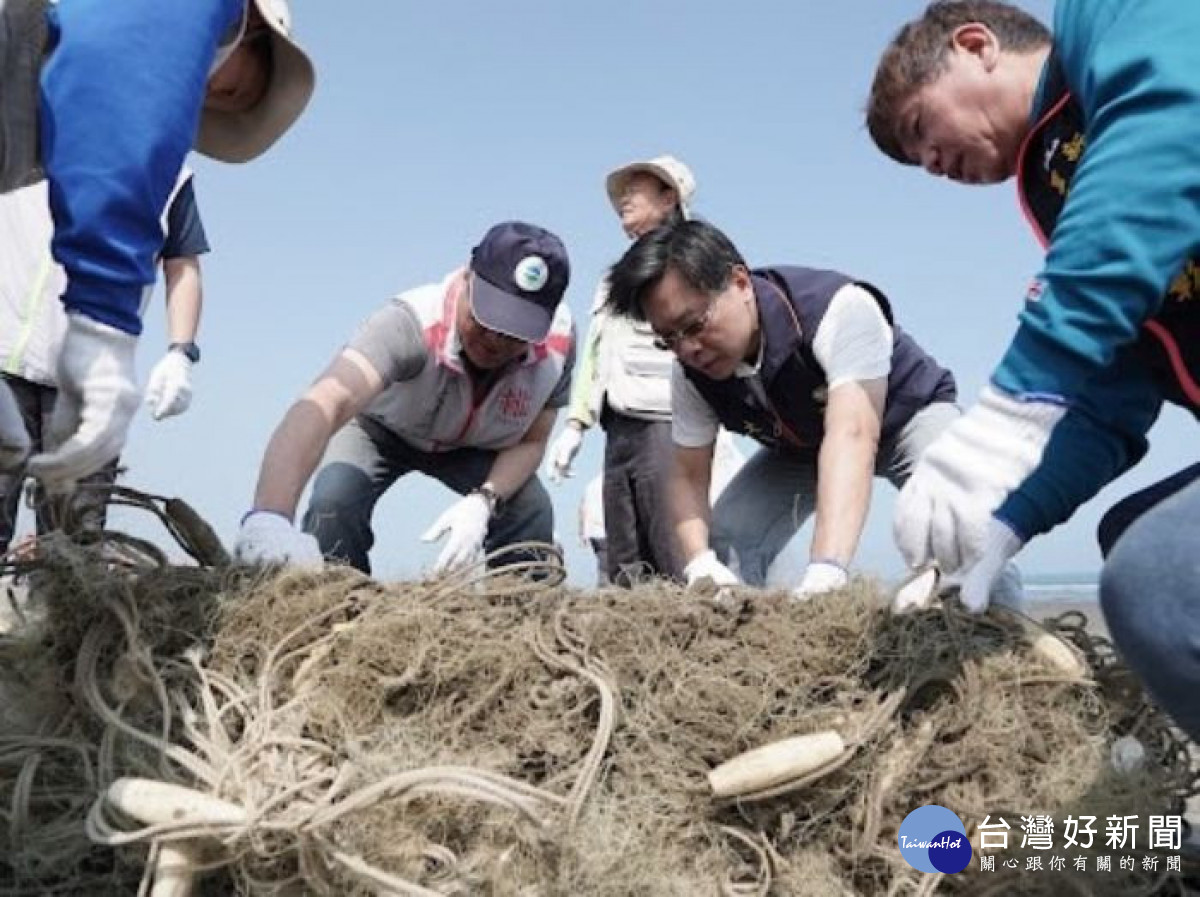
(772, 496)
(1118, 518)
(1150, 595)
(364, 460)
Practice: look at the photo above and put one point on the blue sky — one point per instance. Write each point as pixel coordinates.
(432, 121)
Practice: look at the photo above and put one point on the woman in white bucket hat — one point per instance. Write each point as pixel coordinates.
(623, 382)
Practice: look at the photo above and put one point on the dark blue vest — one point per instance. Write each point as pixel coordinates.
(1170, 341)
(791, 303)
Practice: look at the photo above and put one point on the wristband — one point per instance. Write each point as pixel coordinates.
(489, 494)
(830, 562)
(254, 511)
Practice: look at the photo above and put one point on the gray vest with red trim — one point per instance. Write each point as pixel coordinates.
(441, 408)
(792, 302)
(1170, 341)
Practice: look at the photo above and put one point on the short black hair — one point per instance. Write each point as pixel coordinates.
(917, 56)
(695, 250)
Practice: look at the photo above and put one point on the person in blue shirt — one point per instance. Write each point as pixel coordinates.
(1099, 121)
(105, 100)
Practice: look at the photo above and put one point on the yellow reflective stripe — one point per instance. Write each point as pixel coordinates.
(587, 362)
(30, 311)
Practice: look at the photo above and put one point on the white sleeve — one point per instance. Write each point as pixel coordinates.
(693, 422)
(854, 341)
(600, 297)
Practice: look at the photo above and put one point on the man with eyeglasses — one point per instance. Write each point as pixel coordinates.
(459, 380)
(807, 362)
(104, 100)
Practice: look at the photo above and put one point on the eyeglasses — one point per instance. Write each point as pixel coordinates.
(672, 341)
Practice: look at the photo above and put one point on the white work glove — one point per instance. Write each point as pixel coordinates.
(97, 398)
(269, 538)
(706, 565)
(1008, 589)
(467, 523)
(14, 438)
(993, 580)
(918, 591)
(987, 578)
(169, 390)
(563, 452)
(944, 512)
(819, 577)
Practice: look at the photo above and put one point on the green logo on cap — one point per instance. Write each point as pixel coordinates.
(531, 273)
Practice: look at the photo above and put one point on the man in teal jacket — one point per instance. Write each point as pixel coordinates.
(1100, 123)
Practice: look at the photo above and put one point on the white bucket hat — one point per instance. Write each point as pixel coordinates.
(241, 136)
(667, 169)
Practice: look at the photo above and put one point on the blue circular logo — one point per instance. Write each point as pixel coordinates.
(531, 273)
(933, 839)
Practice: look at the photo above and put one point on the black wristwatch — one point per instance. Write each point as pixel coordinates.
(190, 351)
(493, 498)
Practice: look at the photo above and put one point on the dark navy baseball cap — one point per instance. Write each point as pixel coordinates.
(520, 273)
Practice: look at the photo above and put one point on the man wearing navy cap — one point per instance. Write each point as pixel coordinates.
(460, 380)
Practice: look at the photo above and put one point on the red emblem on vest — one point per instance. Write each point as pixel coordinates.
(514, 402)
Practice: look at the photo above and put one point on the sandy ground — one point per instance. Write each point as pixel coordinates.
(1090, 609)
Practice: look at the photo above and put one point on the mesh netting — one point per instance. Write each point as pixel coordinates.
(485, 734)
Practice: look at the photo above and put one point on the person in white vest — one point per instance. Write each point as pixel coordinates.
(130, 88)
(459, 380)
(624, 384)
(33, 322)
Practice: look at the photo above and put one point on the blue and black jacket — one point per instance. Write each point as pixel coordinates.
(1110, 178)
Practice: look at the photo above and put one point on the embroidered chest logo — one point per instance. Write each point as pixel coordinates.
(1072, 150)
(1062, 157)
(1185, 287)
(515, 402)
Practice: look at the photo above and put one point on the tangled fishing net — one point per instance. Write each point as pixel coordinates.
(487, 733)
